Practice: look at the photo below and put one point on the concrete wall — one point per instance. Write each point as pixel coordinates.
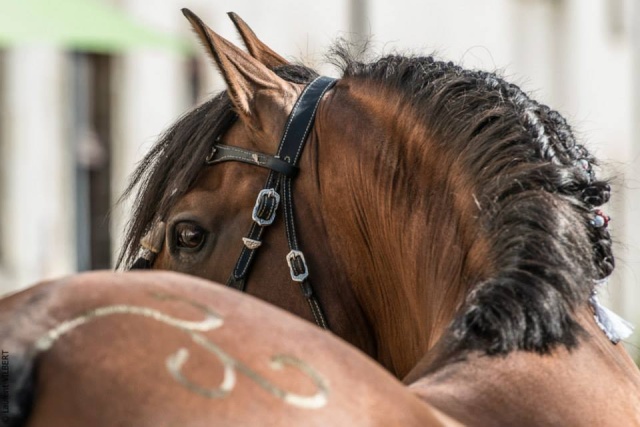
(37, 239)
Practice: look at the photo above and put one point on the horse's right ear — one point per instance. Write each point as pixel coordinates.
(246, 77)
(255, 46)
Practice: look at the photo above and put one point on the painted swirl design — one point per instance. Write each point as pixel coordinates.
(176, 361)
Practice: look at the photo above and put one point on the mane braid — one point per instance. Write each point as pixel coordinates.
(536, 190)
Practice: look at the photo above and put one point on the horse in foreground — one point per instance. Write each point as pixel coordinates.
(163, 349)
(449, 223)
(445, 224)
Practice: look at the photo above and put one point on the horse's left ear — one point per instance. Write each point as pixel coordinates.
(245, 76)
(255, 46)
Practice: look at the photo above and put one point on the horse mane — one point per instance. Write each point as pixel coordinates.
(534, 185)
(536, 192)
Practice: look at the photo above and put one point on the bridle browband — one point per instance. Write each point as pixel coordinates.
(276, 192)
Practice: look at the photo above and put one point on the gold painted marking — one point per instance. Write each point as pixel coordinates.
(176, 361)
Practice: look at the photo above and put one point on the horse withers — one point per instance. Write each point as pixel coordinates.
(163, 349)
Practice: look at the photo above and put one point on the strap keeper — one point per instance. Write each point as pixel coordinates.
(297, 266)
(278, 165)
(264, 212)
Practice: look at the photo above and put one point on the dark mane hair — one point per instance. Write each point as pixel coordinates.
(536, 191)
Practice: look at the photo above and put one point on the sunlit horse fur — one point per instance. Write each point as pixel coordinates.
(449, 222)
(158, 349)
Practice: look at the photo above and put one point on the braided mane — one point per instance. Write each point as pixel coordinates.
(536, 190)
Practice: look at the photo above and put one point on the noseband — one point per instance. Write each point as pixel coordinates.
(277, 191)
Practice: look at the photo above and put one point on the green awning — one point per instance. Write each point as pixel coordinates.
(85, 25)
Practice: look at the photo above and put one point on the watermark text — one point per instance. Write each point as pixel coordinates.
(4, 387)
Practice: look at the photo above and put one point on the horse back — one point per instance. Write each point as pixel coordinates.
(163, 349)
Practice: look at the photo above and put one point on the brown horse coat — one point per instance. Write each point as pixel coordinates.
(134, 349)
(446, 216)
(596, 383)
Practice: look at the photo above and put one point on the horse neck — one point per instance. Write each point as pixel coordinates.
(399, 224)
(595, 376)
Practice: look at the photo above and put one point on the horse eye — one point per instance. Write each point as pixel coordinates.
(189, 236)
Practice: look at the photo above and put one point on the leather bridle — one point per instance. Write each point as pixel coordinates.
(277, 191)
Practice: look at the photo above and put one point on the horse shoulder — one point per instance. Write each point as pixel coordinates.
(595, 383)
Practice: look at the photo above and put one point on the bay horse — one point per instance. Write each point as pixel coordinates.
(449, 223)
(155, 349)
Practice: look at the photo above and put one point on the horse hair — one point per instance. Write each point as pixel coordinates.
(534, 184)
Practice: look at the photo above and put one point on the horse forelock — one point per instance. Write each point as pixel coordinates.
(169, 169)
(535, 191)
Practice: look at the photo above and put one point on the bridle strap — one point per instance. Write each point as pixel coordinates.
(284, 168)
(225, 153)
(293, 140)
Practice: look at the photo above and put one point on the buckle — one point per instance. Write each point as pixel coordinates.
(264, 212)
(297, 266)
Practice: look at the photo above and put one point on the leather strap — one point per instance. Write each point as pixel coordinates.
(301, 119)
(284, 167)
(225, 153)
(293, 140)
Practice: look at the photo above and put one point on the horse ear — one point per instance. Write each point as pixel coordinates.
(255, 46)
(245, 76)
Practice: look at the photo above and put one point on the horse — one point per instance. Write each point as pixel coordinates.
(165, 349)
(449, 221)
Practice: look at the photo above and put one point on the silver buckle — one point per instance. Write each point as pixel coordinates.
(297, 277)
(271, 193)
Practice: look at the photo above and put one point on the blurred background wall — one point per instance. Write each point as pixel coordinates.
(76, 114)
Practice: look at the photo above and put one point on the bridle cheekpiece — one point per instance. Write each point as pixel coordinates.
(277, 192)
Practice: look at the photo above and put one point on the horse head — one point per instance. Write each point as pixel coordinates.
(192, 214)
